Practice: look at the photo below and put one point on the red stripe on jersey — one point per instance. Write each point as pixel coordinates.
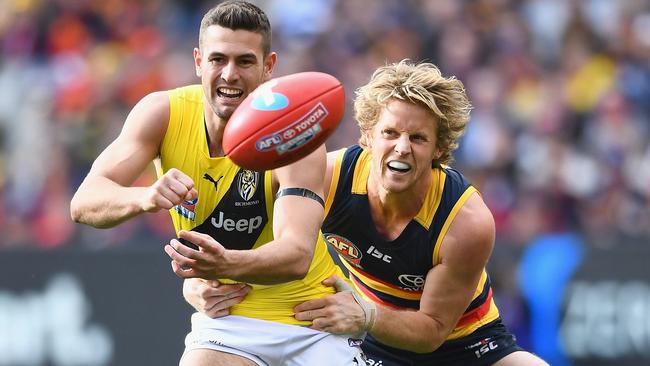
(477, 313)
(374, 297)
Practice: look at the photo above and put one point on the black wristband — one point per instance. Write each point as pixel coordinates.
(303, 192)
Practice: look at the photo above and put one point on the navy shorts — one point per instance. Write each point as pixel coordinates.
(487, 345)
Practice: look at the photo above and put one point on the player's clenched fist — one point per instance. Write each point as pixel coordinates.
(168, 191)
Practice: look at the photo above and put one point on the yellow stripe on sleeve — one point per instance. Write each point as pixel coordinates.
(336, 173)
(461, 201)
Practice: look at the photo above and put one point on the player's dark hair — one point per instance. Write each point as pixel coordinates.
(235, 15)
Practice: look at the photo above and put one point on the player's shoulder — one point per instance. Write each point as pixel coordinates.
(333, 156)
(157, 104)
(472, 231)
(475, 213)
(188, 93)
(162, 99)
(153, 106)
(149, 116)
(154, 101)
(455, 176)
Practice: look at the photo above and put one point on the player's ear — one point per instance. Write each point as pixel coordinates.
(365, 140)
(197, 61)
(269, 64)
(435, 161)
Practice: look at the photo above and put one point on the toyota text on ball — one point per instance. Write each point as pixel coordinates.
(295, 135)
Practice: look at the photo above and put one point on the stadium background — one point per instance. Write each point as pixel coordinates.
(559, 145)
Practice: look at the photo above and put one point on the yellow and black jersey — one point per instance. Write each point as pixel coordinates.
(392, 273)
(234, 206)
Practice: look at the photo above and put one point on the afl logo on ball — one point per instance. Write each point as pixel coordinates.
(297, 134)
(265, 99)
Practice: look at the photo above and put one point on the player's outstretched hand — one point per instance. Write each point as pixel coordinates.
(207, 262)
(171, 189)
(213, 298)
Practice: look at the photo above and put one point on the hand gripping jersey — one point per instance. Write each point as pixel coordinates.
(392, 273)
(235, 207)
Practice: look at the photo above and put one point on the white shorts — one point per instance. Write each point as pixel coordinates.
(272, 344)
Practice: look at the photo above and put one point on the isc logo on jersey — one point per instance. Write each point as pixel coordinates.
(485, 345)
(345, 248)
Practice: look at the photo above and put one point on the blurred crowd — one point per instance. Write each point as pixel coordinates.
(559, 138)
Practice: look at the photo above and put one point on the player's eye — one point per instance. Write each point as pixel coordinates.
(216, 60)
(247, 62)
(419, 138)
(387, 133)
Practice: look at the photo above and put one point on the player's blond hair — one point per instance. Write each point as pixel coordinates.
(420, 83)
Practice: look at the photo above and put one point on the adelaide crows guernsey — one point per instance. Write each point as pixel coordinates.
(392, 273)
(235, 207)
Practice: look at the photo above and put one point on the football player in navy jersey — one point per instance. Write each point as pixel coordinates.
(412, 232)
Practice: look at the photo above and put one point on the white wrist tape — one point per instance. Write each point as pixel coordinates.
(369, 308)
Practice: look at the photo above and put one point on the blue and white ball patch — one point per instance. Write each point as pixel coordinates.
(268, 100)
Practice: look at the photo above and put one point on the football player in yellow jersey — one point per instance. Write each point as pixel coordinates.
(412, 232)
(266, 223)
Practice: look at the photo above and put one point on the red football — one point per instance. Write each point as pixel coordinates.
(284, 120)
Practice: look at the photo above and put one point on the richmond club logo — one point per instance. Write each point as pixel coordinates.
(247, 184)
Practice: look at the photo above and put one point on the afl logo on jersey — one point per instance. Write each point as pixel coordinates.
(247, 184)
(265, 99)
(345, 247)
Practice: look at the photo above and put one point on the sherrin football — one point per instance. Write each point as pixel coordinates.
(284, 120)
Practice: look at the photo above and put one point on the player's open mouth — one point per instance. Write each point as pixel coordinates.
(229, 93)
(398, 166)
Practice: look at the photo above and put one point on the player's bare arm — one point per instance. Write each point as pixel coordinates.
(449, 286)
(105, 198)
(296, 223)
(214, 299)
(448, 290)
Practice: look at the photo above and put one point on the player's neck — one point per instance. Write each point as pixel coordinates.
(392, 211)
(214, 127)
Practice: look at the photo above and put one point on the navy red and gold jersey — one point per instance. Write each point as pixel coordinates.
(234, 206)
(392, 273)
